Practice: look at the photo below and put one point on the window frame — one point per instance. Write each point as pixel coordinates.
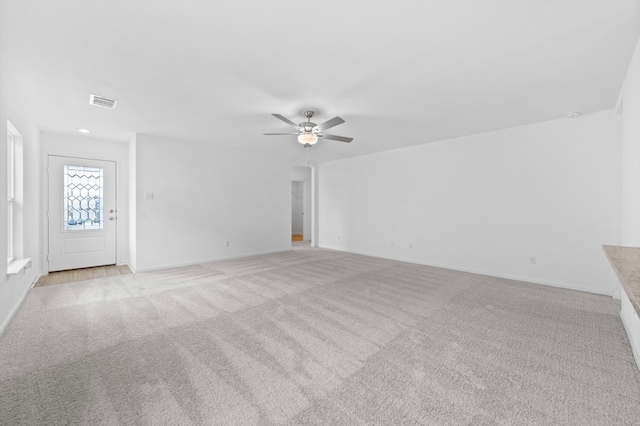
(11, 193)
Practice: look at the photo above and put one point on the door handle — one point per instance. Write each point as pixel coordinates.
(111, 218)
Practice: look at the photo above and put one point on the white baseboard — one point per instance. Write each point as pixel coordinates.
(36, 280)
(15, 308)
(479, 272)
(200, 261)
(631, 324)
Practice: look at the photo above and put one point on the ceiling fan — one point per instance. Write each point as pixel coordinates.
(308, 132)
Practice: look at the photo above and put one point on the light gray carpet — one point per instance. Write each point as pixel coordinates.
(315, 337)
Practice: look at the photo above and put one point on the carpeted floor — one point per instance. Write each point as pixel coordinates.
(315, 336)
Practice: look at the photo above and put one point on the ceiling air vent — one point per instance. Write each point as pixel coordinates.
(101, 101)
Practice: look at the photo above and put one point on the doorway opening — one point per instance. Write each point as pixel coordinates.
(297, 211)
(301, 206)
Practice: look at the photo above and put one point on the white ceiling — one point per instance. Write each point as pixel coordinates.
(400, 73)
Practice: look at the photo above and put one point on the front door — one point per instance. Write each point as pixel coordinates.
(82, 213)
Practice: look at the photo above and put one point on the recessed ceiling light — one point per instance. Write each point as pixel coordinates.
(573, 114)
(84, 130)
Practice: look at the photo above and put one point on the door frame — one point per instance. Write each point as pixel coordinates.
(47, 206)
(309, 202)
(91, 149)
(305, 231)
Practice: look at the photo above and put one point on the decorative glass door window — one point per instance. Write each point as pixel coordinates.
(83, 198)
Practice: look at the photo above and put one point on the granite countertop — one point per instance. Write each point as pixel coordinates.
(626, 263)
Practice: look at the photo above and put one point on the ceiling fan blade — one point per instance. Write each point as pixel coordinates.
(286, 120)
(272, 134)
(336, 138)
(331, 123)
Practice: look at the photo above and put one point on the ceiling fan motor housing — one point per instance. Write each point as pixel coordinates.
(308, 126)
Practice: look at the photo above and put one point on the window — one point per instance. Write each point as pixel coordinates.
(15, 201)
(11, 193)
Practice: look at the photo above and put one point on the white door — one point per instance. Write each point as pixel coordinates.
(82, 213)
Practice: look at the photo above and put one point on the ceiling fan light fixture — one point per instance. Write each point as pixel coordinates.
(307, 139)
(308, 132)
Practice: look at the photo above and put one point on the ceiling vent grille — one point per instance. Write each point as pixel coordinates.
(101, 101)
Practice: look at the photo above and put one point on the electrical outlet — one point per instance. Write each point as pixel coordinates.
(393, 243)
(148, 196)
(338, 236)
(533, 260)
(226, 243)
(410, 245)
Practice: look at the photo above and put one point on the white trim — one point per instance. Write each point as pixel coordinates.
(33, 284)
(11, 165)
(631, 324)
(11, 195)
(17, 265)
(88, 147)
(83, 159)
(201, 261)
(479, 272)
(9, 317)
(314, 206)
(15, 194)
(10, 230)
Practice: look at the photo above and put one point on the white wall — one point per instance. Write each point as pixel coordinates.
(617, 189)
(13, 108)
(204, 196)
(630, 106)
(80, 146)
(485, 203)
